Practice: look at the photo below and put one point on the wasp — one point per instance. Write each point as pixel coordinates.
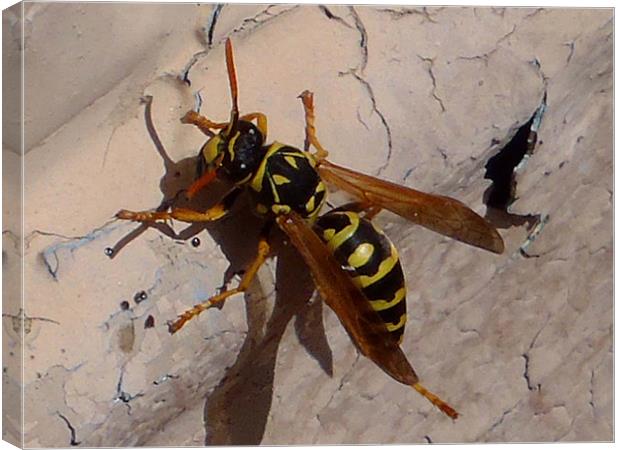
(354, 265)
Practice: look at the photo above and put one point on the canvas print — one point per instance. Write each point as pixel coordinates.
(231, 224)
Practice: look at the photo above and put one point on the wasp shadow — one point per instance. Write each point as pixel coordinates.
(236, 410)
(178, 175)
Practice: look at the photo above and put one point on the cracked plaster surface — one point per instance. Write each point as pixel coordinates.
(521, 347)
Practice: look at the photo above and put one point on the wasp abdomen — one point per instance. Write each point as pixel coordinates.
(287, 180)
(371, 259)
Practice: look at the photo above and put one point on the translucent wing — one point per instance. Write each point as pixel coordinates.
(441, 214)
(363, 324)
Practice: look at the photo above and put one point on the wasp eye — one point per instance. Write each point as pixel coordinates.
(212, 149)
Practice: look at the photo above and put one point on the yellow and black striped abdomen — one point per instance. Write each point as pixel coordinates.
(288, 181)
(371, 259)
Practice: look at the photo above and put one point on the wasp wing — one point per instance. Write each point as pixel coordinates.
(337, 289)
(441, 214)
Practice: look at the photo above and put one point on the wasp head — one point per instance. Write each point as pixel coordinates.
(235, 153)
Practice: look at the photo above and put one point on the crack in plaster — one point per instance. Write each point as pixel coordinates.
(72, 243)
(571, 49)
(507, 35)
(363, 38)
(257, 20)
(73, 442)
(591, 386)
(499, 421)
(443, 153)
(331, 16)
(526, 374)
(377, 111)
(107, 146)
(534, 13)
(397, 14)
(591, 390)
(122, 396)
(68, 370)
(355, 73)
(430, 61)
(52, 267)
(184, 74)
(545, 79)
(209, 29)
(21, 320)
(408, 173)
(486, 55)
(360, 120)
(526, 356)
(262, 18)
(165, 378)
(343, 380)
(541, 221)
(89, 236)
(110, 412)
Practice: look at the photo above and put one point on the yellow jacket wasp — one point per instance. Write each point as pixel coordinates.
(354, 265)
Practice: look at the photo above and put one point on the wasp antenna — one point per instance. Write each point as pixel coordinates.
(439, 403)
(232, 78)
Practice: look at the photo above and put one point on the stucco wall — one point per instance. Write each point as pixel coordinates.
(522, 347)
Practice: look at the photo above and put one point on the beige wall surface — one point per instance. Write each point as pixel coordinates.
(520, 346)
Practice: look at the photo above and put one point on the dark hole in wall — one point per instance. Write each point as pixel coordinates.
(500, 168)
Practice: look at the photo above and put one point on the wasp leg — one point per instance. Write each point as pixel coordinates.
(439, 403)
(216, 212)
(205, 125)
(200, 183)
(307, 99)
(261, 121)
(244, 284)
